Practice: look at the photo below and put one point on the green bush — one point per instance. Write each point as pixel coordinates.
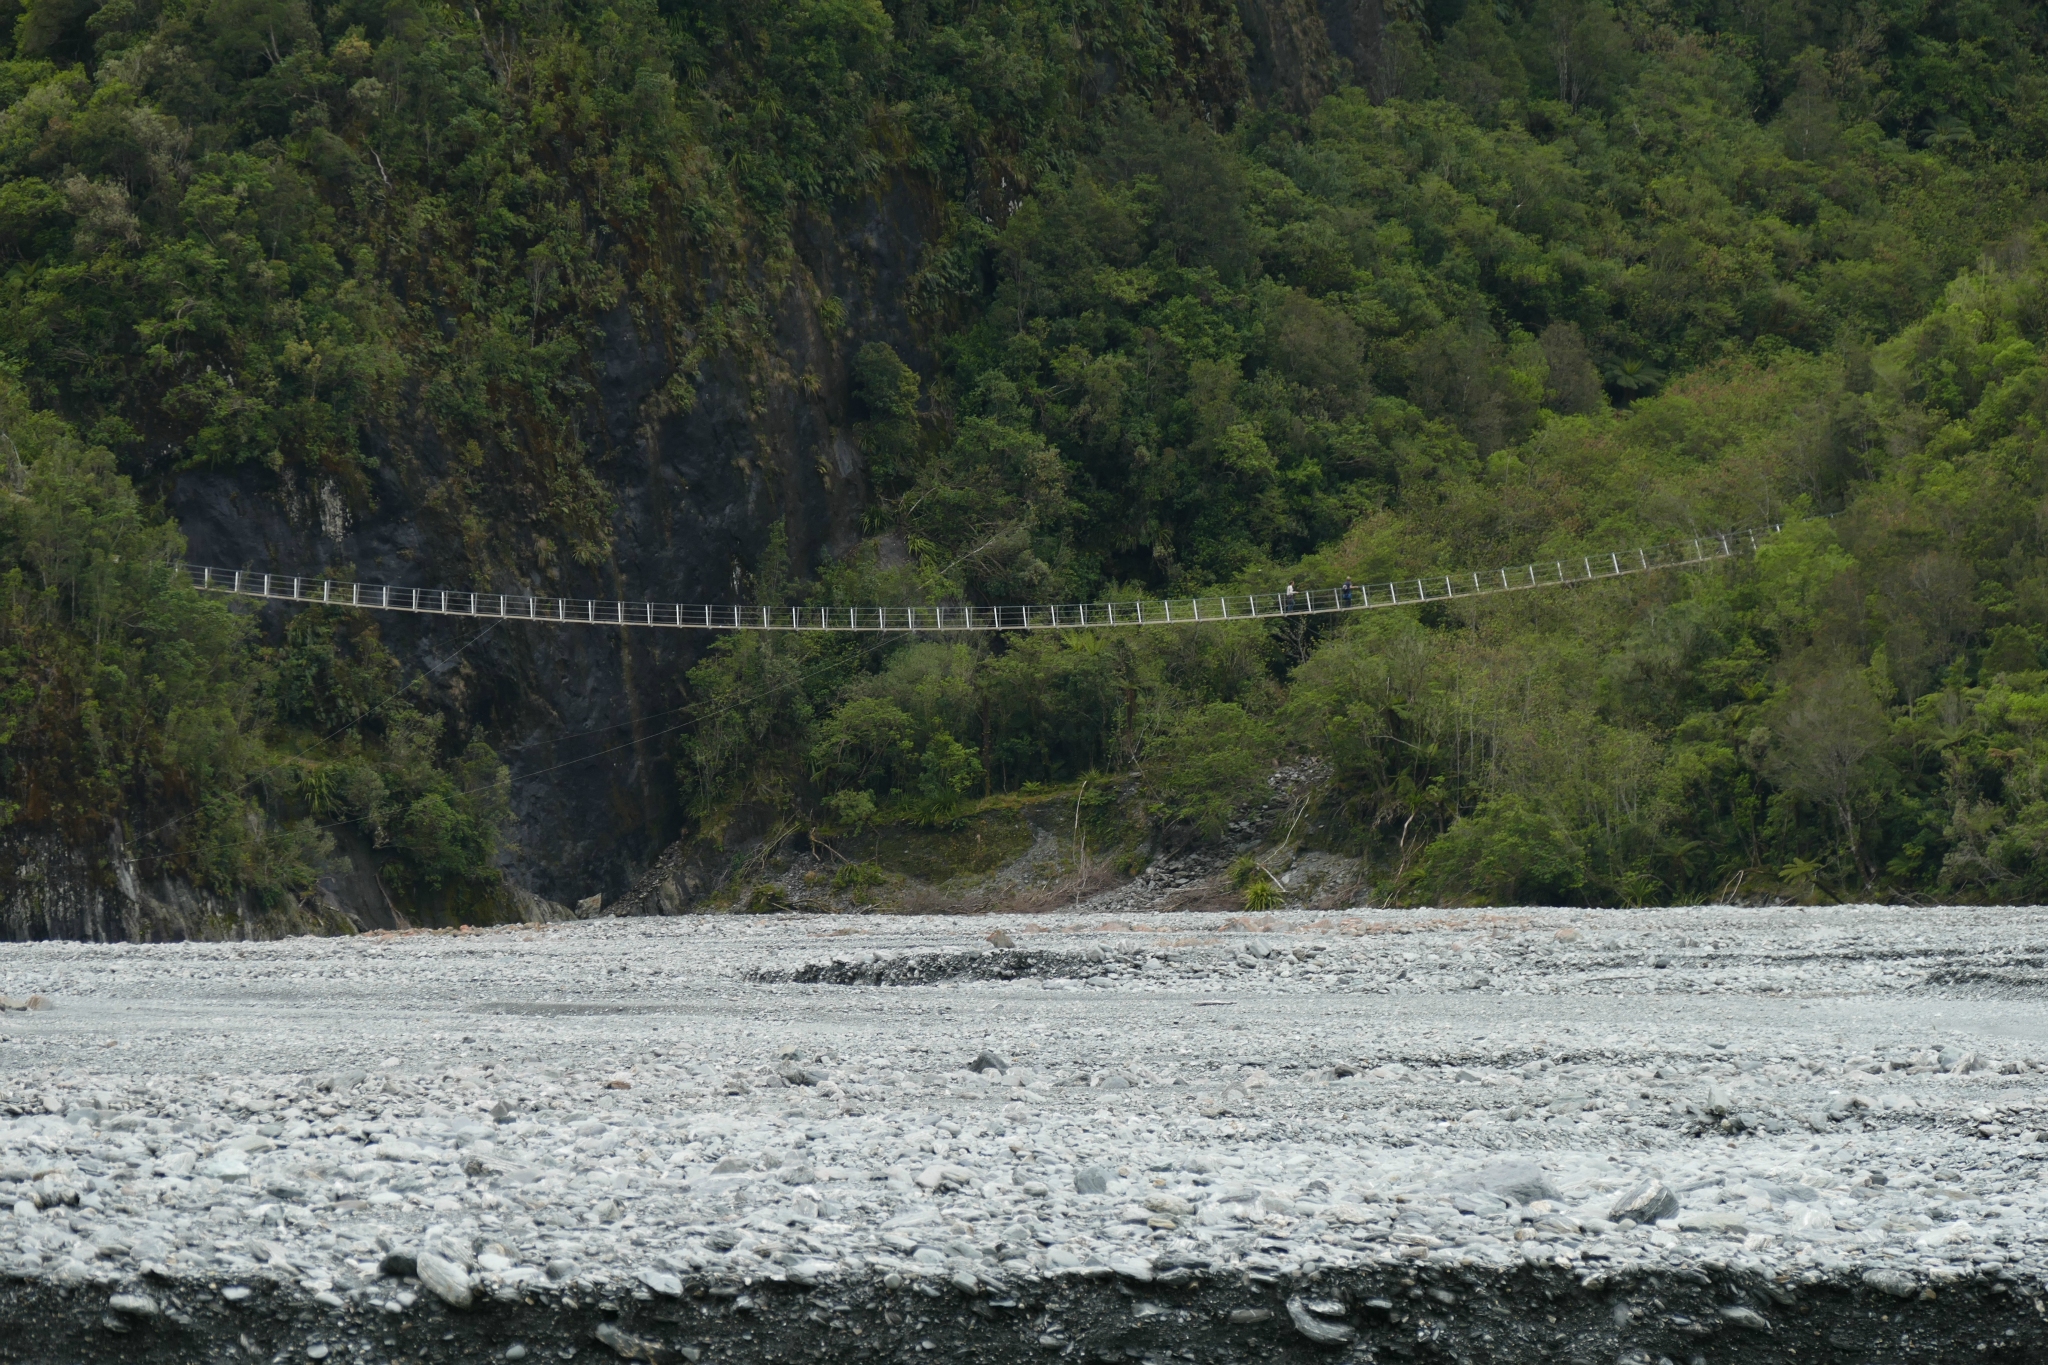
(852, 807)
(868, 739)
(1245, 872)
(857, 881)
(946, 770)
(1208, 763)
(1508, 852)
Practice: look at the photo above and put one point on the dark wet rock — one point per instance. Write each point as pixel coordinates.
(926, 969)
(626, 1346)
(1649, 1202)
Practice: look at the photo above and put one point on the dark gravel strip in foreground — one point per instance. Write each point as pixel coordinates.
(1526, 1315)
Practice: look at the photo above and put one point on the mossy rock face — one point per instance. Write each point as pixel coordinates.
(462, 902)
(981, 844)
(995, 836)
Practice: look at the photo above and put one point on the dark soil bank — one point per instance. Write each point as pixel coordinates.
(1531, 1315)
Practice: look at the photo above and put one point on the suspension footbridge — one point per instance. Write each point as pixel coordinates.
(939, 617)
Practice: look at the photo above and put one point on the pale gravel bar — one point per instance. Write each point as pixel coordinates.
(634, 1112)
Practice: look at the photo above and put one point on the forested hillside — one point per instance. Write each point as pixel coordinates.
(850, 301)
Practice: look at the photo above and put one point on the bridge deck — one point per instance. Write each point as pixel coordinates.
(1176, 611)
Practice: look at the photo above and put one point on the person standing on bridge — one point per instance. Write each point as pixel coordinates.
(1287, 604)
(1344, 594)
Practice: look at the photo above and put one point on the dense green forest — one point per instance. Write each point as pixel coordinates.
(1205, 305)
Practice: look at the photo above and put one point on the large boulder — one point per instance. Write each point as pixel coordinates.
(1516, 1179)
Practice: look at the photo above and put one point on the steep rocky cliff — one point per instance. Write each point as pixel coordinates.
(694, 496)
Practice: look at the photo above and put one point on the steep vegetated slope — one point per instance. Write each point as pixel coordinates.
(856, 301)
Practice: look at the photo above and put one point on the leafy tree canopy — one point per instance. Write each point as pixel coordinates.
(1511, 281)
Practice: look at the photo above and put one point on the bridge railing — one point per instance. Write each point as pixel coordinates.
(945, 617)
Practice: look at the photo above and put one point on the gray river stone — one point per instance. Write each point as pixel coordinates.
(448, 1281)
(1522, 1181)
(1319, 1330)
(589, 1110)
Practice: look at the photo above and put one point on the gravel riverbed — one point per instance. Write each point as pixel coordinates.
(1681, 1134)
